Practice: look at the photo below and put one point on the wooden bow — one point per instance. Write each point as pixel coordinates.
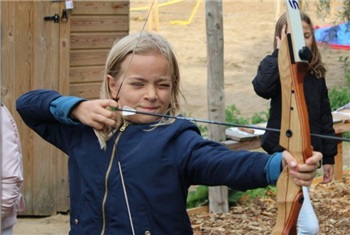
(295, 130)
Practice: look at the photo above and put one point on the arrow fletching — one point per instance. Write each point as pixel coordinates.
(128, 111)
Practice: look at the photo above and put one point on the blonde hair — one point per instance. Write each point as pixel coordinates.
(142, 43)
(316, 63)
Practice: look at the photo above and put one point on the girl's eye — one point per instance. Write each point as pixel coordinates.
(164, 85)
(307, 36)
(137, 84)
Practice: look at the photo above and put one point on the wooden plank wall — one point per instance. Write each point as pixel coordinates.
(95, 26)
(65, 56)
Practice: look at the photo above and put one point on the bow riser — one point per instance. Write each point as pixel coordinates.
(295, 130)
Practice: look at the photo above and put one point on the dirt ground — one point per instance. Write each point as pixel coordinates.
(248, 34)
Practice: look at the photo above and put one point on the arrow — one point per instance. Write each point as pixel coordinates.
(128, 111)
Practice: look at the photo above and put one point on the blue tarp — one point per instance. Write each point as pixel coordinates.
(338, 35)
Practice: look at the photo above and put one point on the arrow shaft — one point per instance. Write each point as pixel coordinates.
(222, 123)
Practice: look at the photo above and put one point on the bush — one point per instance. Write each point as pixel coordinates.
(198, 197)
(232, 115)
(341, 96)
(338, 97)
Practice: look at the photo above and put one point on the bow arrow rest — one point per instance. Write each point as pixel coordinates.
(128, 111)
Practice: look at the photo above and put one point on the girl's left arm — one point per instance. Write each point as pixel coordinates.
(329, 147)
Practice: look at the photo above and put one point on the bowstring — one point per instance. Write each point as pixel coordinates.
(134, 51)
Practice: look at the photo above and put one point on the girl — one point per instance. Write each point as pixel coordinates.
(131, 174)
(267, 85)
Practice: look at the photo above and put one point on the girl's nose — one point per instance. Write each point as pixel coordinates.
(151, 93)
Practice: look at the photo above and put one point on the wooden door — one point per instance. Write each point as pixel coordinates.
(30, 60)
(65, 55)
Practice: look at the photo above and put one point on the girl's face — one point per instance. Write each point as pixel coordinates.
(307, 34)
(146, 87)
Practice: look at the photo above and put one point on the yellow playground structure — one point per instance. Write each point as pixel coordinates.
(153, 14)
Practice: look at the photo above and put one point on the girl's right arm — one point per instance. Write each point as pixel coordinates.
(37, 111)
(266, 82)
(48, 106)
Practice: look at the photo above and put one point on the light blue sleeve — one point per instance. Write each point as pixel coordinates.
(61, 107)
(273, 168)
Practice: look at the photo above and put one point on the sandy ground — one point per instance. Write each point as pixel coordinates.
(248, 33)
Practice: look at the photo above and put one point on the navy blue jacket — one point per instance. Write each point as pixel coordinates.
(158, 167)
(267, 85)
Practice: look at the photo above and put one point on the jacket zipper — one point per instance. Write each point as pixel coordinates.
(121, 130)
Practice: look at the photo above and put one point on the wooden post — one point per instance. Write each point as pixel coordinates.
(338, 166)
(150, 16)
(156, 15)
(153, 15)
(218, 196)
(0, 111)
(278, 9)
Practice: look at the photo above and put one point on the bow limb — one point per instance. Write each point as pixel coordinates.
(295, 132)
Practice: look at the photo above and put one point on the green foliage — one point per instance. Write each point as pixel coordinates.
(346, 12)
(235, 196)
(232, 115)
(346, 64)
(198, 197)
(346, 134)
(338, 97)
(203, 130)
(260, 117)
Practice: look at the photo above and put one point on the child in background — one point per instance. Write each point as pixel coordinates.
(267, 85)
(130, 174)
(12, 200)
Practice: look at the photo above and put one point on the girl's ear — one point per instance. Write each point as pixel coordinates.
(113, 86)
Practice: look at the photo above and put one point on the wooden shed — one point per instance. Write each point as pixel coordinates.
(46, 44)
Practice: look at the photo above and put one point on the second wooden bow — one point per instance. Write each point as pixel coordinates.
(295, 131)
